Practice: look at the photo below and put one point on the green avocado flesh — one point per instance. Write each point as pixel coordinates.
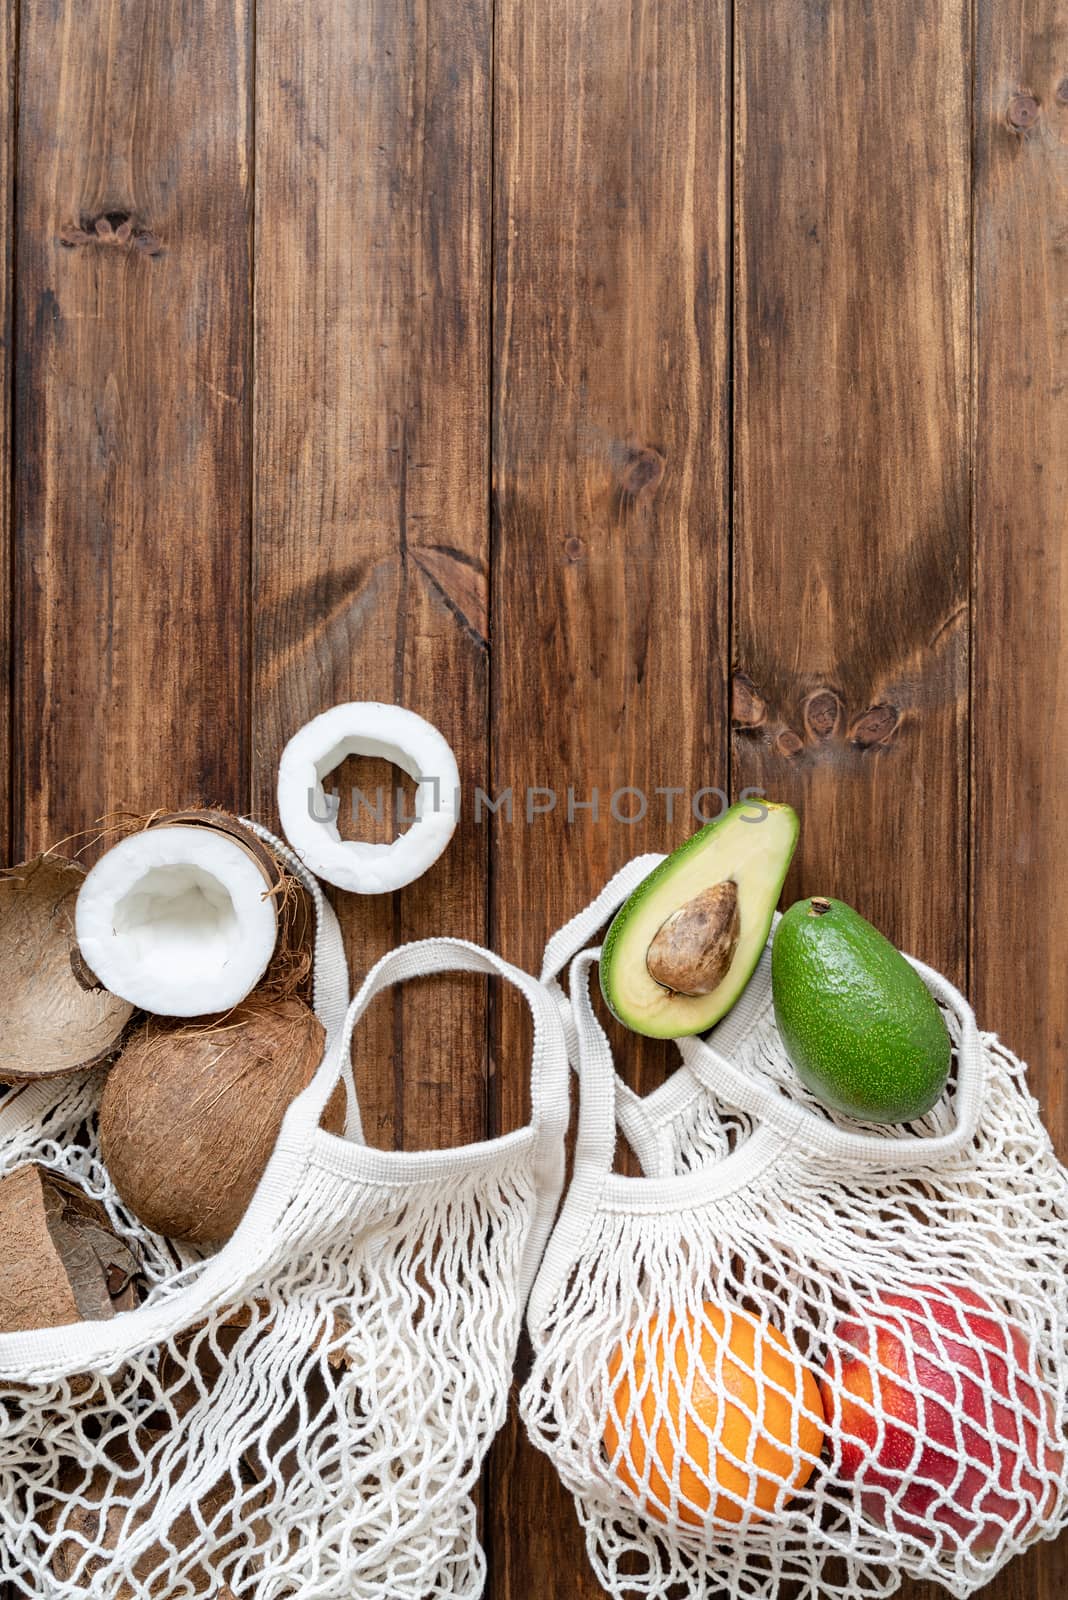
(750, 846)
(858, 1022)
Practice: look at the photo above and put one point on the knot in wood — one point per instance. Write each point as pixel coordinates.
(748, 709)
(876, 726)
(111, 228)
(822, 712)
(643, 472)
(1022, 112)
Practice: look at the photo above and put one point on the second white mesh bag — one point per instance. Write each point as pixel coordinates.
(680, 1124)
(802, 1358)
(306, 1412)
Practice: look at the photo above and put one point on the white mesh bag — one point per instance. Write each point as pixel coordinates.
(681, 1123)
(305, 1412)
(798, 1356)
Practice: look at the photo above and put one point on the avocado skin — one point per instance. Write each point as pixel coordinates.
(858, 1023)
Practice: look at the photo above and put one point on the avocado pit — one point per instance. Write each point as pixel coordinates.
(692, 950)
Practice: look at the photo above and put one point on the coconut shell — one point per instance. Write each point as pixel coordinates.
(210, 1356)
(62, 1261)
(291, 966)
(50, 1023)
(191, 1113)
(89, 1520)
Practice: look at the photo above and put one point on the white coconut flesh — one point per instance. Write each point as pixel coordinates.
(310, 818)
(177, 920)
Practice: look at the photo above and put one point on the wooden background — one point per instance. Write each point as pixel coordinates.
(546, 368)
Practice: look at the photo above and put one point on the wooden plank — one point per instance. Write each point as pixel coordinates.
(1020, 737)
(8, 72)
(131, 436)
(851, 533)
(8, 79)
(371, 512)
(1020, 734)
(610, 556)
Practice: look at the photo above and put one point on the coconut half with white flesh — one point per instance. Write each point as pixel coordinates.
(180, 919)
(51, 1022)
(310, 819)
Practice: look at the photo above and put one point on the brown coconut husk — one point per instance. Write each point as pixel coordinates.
(63, 1262)
(190, 1113)
(79, 1512)
(210, 1358)
(212, 1354)
(50, 1022)
(280, 1451)
(289, 972)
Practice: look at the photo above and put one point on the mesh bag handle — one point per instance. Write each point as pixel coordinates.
(330, 975)
(549, 1100)
(823, 1139)
(330, 972)
(631, 1114)
(424, 957)
(575, 934)
(769, 1107)
(712, 1068)
(595, 1141)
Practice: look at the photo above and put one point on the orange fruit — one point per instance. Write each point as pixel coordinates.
(683, 1385)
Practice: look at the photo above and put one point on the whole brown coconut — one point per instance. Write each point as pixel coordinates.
(81, 1515)
(50, 1022)
(190, 1114)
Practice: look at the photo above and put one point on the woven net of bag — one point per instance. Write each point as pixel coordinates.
(767, 1372)
(319, 1433)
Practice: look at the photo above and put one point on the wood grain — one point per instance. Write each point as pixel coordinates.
(1020, 714)
(610, 479)
(287, 291)
(131, 436)
(8, 90)
(371, 522)
(8, 71)
(1020, 705)
(851, 527)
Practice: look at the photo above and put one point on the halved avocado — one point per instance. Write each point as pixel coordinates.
(682, 948)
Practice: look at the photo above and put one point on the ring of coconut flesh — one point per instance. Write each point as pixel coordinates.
(310, 822)
(177, 920)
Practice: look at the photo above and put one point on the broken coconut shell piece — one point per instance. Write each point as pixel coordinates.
(99, 1509)
(692, 951)
(63, 1261)
(190, 1114)
(183, 917)
(50, 1023)
(192, 1363)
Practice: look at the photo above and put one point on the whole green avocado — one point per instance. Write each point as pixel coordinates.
(858, 1022)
